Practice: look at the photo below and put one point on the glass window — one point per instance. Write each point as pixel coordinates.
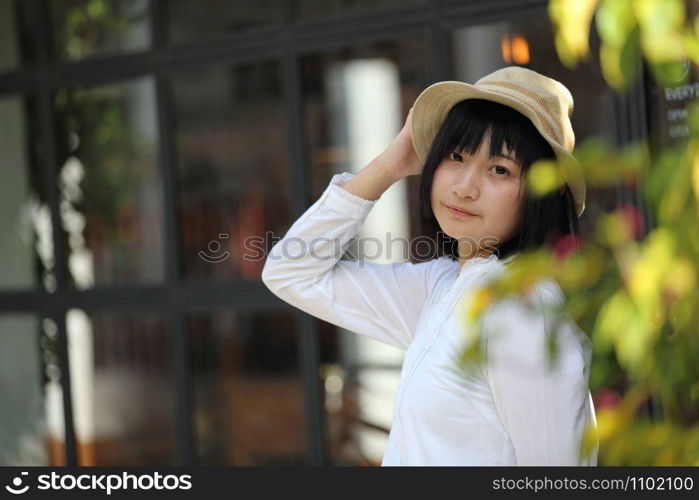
(529, 42)
(232, 161)
(249, 388)
(83, 28)
(210, 19)
(14, 49)
(122, 380)
(669, 108)
(31, 420)
(309, 9)
(111, 187)
(25, 219)
(357, 99)
(359, 379)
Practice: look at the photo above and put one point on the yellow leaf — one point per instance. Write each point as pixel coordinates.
(681, 278)
(662, 26)
(572, 19)
(615, 20)
(608, 423)
(613, 318)
(613, 229)
(544, 176)
(480, 300)
(610, 61)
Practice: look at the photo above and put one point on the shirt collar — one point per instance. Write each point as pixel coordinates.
(489, 260)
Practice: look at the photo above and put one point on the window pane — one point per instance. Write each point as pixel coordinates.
(357, 99)
(202, 20)
(84, 28)
(360, 376)
(668, 109)
(31, 419)
(309, 9)
(111, 187)
(529, 42)
(25, 220)
(249, 390)
(14, 49)
(122, 380)
(232, 162)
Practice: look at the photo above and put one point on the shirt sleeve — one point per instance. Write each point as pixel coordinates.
(381, 301)
(544, 409)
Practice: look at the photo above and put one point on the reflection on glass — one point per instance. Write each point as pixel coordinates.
(28, 424)
(248, 387)
(111, 189)
(360, 377)
(123, 393)
(10, 49)
(357, 99)
(317, 8)
(84, 28)
(210, 19)
(529, 42)
(26, 246)
(232, 162)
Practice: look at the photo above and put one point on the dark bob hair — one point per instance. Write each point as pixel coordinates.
(545, 219)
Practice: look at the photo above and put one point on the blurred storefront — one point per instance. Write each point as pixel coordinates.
(144, 142)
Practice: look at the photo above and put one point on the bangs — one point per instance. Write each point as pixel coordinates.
(471, 121)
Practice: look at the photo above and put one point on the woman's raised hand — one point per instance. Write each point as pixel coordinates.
(399, 158)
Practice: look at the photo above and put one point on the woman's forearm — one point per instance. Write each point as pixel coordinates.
(372, 180)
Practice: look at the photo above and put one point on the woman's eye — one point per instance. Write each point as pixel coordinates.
(453, 155)
(503, 172)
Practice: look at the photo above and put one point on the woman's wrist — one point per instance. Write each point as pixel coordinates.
(372, 180)
(386, 167)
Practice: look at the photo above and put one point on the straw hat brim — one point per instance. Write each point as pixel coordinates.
(434, 103)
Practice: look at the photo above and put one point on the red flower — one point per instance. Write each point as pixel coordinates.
(606, 398)
(634, 219)
(566, 245)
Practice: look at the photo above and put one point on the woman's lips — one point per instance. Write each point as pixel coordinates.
(459, 213)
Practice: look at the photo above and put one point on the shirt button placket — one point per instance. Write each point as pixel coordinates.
(444, 306)
(432, 337)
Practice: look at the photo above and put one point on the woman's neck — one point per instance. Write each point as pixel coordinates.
(465, 257)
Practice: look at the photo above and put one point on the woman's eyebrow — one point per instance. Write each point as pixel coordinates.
(505, 157)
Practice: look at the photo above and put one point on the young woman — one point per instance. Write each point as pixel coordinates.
(473, 146)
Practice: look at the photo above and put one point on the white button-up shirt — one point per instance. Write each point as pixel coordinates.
(511, 410)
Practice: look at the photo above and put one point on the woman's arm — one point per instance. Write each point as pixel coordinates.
(397, 161)
(545, 410)
(382, 301)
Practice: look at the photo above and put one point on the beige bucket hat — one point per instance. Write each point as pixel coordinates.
(545, 101)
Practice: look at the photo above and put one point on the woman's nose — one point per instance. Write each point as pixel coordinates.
(467, 185)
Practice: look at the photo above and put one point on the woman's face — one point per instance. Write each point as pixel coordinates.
(488, 188)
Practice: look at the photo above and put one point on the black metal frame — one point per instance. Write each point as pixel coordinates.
(286, 43)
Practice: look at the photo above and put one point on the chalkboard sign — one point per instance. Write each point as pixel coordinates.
(668, 110)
